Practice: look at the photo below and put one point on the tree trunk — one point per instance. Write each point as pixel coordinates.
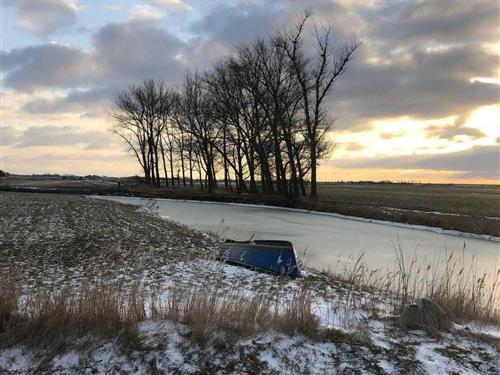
(183, 168)
(164, 163)
(294, 189)
(301, 178)
(147, 176)
(201, 178)
(224, 156)
(157, 164)
(172, 174)
(314, 191)
(251, 169)
(190, 154)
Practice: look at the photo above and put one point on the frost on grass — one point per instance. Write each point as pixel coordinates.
(64, 240)
(57, 241)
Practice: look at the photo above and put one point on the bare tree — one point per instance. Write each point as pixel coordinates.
(316, 75)
(138, 114)
(257, 115)
(196, 119)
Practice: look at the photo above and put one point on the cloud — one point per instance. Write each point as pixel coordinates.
(36, 136)
(425, 74)
(418, 83)
(45, 17)
(60, 161)
(482, 161)
(48, 65)
(435, 21)
(425, 77)
(122, 54)
(487, 175)
(8, 135)
(146, 12)
(174, 5)
(137, 50)
(455, 130)
(232, 23)
(390, 135)
(422, 82)
(351, 146)
(74, 101)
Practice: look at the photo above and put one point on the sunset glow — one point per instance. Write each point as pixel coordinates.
(434, 107)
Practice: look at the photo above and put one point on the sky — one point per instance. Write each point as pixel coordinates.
(420, 101)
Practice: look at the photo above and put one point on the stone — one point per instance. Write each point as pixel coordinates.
(425, 313)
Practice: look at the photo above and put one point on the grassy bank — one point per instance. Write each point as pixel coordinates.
(54, 318)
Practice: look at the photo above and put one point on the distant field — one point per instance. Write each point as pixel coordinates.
(475, 200)
(466, 208)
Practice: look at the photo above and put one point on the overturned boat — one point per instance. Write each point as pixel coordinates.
(276, 257)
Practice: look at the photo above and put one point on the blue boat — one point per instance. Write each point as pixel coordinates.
(271, 256)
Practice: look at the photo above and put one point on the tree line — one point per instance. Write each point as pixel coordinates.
(257, 121)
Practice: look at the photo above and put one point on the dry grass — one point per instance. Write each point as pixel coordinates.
(464, 293)
(206, 311)
(60, 318)
(56, 319)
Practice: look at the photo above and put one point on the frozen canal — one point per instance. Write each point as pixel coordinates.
(327, 240)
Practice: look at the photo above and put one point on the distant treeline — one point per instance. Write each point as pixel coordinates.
(258, 119)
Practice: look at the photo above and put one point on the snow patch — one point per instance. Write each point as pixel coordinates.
(66, 361)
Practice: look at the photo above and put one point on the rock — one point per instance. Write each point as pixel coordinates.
(434, 314)
(410, 317)
(424, 313)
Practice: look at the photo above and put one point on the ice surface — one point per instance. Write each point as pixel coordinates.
(326, 238)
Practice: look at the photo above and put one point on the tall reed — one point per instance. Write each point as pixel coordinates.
(463, 292)
(50, 318)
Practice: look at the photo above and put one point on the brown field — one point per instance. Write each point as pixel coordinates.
(474, 200)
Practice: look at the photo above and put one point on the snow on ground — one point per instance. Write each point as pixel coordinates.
(357, 342)
(459, 359)
(16, 360)
(66, 361)
(361, 335)
(479, 328)
(168, 349)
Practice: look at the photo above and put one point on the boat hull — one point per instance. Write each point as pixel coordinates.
(277, 257)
